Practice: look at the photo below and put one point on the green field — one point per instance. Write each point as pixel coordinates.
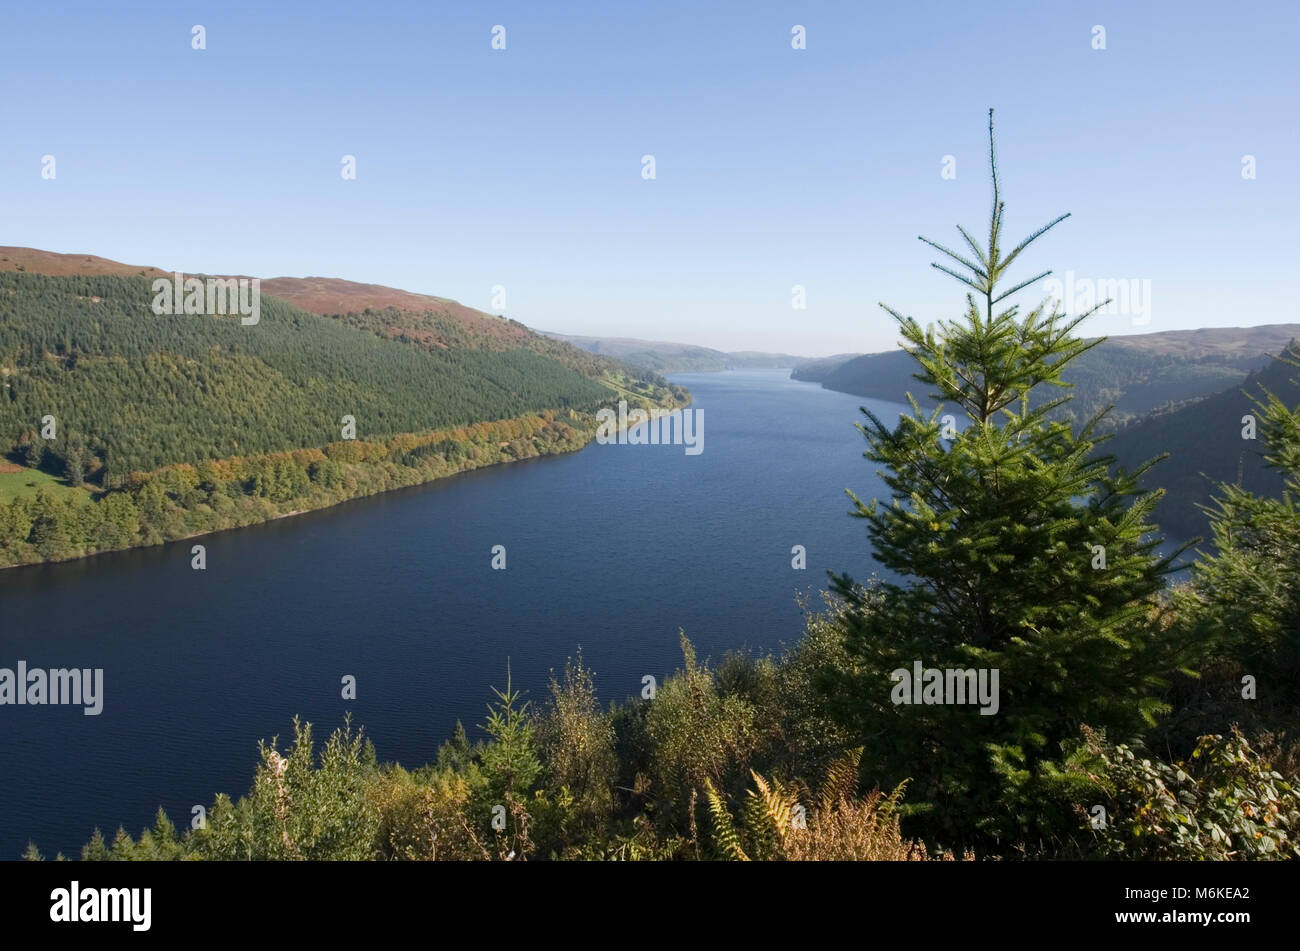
(27, 482)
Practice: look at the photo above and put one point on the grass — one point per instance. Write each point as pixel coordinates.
(621, 387)
(25, 483)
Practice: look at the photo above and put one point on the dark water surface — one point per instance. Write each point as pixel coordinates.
(613, 548)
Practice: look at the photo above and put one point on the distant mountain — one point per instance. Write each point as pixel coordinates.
(666, 357)
(1137, 374)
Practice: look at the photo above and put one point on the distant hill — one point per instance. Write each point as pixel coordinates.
(120, 426)
(760, 360)
(818, 369)
(665, 357)
(332, 296)
(35, 261)
(132, 391)
(1205, 448)
(1212, 341)
(78, 340)
(433, 323)
(319, 295)
(438, 323)
(1180, 391)
(1137, 374)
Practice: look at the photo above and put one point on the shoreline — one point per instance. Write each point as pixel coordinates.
(468, 465)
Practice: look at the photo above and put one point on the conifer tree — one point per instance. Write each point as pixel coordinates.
(1018, 548)
(510, 761)
(1245, 593)
(95, 850)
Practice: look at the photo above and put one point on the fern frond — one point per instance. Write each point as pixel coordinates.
(770, 815)
(722, 827)
(890, 805)
(841, 781)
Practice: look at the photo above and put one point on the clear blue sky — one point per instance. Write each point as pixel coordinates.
(775, 167)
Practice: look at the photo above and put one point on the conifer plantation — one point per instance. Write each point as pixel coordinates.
(167, 427)
(1134, 718)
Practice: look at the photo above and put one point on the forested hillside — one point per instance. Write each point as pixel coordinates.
(1206, 447)
(1136, 379)
(422, 319)
(120, 427)
(819, 368)
(1136, 374)
(137, 391)
(665, 357)
(1183, 392)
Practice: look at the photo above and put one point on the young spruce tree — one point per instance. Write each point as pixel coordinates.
(1019, 550)
(1245, 593)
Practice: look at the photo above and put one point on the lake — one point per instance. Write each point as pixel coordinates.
(614, 549)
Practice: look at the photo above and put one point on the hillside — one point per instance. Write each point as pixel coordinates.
(168, 426)
(89, 351)
(1205, 446)
(35, 261)
(319, 295)
(430, 322)
(818, 369)
(329, 296)
(1137, 374)
(760, 360)
(664, 357)
(1213, 341)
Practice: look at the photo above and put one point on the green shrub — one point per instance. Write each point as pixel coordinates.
(1226, 803)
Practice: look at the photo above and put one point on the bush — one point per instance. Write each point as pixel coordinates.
(1227, 803)
(699, 737)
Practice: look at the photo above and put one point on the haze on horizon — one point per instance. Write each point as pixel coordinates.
(521, 168)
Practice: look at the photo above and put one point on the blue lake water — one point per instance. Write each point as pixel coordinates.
(614, 549)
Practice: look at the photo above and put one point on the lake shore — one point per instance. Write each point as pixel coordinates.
(183, 509)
